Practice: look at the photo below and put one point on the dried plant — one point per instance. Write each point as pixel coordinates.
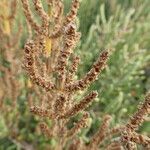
(51, 64)
(10, 68)
(122, 137)
(9, 49)
(129, 134)
(9, 64)
(47, 61)
(58, 96)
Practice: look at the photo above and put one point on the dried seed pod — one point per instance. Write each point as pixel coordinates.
(136, 121)
(78, 126)
(114, 146)
(42, 112)
(80, 106)
(45, 130)
(29, 65)
(92, 75)
(98, 138)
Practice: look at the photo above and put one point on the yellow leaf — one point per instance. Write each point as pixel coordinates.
(49, 12)
(6, 27)
(5, 13)
(29, 83)
(48, 47)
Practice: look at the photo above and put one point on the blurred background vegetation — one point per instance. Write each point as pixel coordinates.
(122, 25)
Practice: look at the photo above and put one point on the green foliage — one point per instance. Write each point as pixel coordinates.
(125, 30)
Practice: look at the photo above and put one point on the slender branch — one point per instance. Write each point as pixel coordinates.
(29, 65)
(92, 75)
(29, 16)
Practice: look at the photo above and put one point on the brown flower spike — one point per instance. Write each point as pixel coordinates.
(51, 64)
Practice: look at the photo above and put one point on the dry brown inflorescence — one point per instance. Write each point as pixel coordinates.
(51, 64)
(9, 49)
(9, 64)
